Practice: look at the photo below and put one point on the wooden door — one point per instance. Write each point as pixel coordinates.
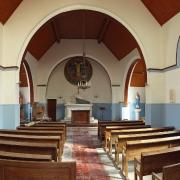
(52, 108)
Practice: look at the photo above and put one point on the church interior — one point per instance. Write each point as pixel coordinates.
(89, 89)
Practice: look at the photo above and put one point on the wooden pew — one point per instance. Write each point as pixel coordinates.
(25, 156)
(30, 147)
(171, 172)
(24, 170)
(154, 161)
(43, 129)
(37, 133)
(102, 126)
(121, 140)
(109, 135)
(34, 138)
(113, 135)
(135, 148)
(40, 124)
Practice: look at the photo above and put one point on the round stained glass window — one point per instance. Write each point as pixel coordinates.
(78, 69)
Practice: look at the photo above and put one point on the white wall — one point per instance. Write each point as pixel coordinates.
(59, 86)
(25, 91)
(155, 90)
(1, 40)
(9, 87)
(171, 33)
(173, 84)
(67, 48)
(160, 83)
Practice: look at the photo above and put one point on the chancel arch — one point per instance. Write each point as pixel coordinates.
(99, 94)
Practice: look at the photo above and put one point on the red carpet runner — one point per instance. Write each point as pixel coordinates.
(88, 163)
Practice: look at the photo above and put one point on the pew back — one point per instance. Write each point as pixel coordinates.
(155, 160)
(102, 126)
(15, 170)
(171, 172)
(25, 156)
(30, 147)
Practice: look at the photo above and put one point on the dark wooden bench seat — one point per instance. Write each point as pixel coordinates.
(37, 133)
(171, 172)
(25, 170)
(135, 148)
(25, 156)
(32, 128)
(121, 139)
(110, 132)
(61, 125)
(30, 147)
(112, 136)
(34, 138)
(102, 125)
(154, 161)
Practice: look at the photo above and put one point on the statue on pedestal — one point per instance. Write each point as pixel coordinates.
(137, 107)
(137, 101)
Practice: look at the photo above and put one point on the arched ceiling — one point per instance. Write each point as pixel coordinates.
(98, 26)
(83, 23)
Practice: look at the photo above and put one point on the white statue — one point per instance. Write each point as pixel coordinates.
(137, 101)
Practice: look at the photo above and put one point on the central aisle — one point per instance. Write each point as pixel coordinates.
(92, 163)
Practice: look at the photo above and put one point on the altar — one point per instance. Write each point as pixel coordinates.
(77, 107)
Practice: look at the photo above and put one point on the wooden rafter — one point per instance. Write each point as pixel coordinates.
(56, 30)
(103, 30)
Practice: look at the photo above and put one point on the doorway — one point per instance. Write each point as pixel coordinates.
(51, 104)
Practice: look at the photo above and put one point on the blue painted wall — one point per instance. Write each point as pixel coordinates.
(154, 115)
(102, 115)
(112, 111)
(159, 115)
(26, 108)
(172, 115)
(117, 111)
(10, 116)
(60, 111)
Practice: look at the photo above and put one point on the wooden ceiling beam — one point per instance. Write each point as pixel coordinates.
(103, 30)
(56, 30)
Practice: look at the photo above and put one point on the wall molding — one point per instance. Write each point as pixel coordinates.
(168, 68)
(41, 85)
(8, 68)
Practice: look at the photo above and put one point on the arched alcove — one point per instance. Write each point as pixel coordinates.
(136, 81)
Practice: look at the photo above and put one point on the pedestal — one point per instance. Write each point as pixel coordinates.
(137, 114)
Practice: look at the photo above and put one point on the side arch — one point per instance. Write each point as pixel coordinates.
(129, 77)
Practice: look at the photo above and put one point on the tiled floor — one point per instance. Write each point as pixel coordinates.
(93, 163)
